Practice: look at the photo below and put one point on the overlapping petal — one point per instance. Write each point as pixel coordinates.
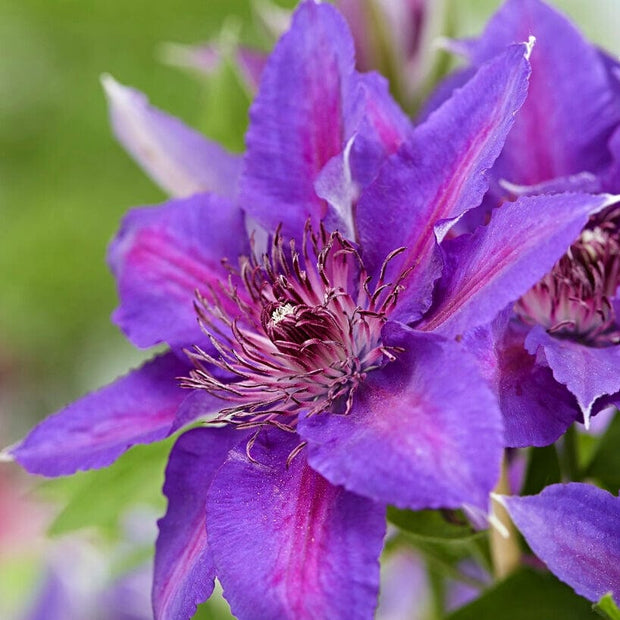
(287, 543)
(499, 262)
(536, 409)
(95, 430)
(563, 127)
(179, 159)
(588, 372)
(424, 418)
(310, 103)
(574, 529)
(434, 179)
(184, 570)
(297, 120)
(377, 127)
(162, 255)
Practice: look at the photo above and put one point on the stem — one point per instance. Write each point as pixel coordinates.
(505, 552)
(570, 461)
(438, 592)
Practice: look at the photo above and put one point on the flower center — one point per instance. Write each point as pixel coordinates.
(575, 299)
(304, 331)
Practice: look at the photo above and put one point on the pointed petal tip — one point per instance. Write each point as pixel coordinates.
(496, 523)
(111, 87)
(6, 455)
(118, 95)
(529, 46)
(610, 199)
(498, 498)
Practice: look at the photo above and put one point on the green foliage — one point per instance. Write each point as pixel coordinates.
(101, 498)
(431, 525)
(225, 112)
(444, 538)
(527, 594)
(543, 468)
(607, 608)
(605, 464)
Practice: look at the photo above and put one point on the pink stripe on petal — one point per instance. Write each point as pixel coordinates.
(162, 255)
(286, 543)
(95, 430)
(499, 262)
(297, 121)
(563, 127)
(184, 573)
(423, 432)
(439, 173)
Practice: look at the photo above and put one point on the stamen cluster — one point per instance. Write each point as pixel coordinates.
(293, 331)
(575, 299)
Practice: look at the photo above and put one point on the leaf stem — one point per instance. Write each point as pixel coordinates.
(505, 552)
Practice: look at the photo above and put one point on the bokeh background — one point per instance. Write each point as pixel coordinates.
(64, 185)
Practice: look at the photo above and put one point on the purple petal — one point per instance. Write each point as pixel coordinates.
(162, 255)
(424, 432)
(179, 159)
(444, 90)
(612, 175)
(570, 112)
(584, 182)
(536, 408)
(198, 405)
(573, 528)
(53, 600)
(184, 570)
(432, 179)
(336, 185)
(378, 128)
(288, 544)
(92, 432)
(297, 119)
(251, 64)
(405, 588)
(588, 372)
(379, 125)
(498, 263)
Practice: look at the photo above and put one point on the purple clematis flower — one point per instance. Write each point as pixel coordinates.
(555, 356)
(321, 351)
(573, 528)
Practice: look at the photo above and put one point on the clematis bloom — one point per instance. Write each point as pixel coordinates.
(555, 354)
(313, 306)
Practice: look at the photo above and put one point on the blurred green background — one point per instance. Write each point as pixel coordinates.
(65, 183)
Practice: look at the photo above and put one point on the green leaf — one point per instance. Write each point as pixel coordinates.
(431, 524)
(607, 608)
(100, 498)
(444, 538)
(543, 468)
(605, 464)
(586, 447)
(527, 594)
